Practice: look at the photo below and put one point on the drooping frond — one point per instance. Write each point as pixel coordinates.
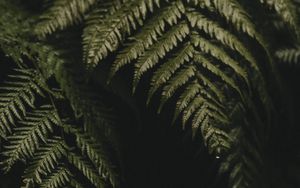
(220, 54)
(148, 35)
(243, 162)
(16, 93)
(100, 38)
(58, 178)
(87, 169)
(166, 70)
(235, 14)
(31, 131)
(62, 14)
(152, 56)
(203, 61)
(45, 159)
(214, 30)
(98, 155)
(289, 55)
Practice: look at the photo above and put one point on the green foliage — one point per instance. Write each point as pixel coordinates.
(18, 92)
(210, 57)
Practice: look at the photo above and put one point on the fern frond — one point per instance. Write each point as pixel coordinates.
(62, 14)
(195, 104)
(179, 79)
(220, 54)
(98, 155)
(45, 159)
(101, 38)
(214, 30)
(16, 93)
(26, 139)
(216, 139)
(289, 55)
(203, 61)
(87, 169)
(235, 14)
(58, 178)
(166, 43)
(243, 163)
(166, 70)
(286, 9)
(148, 35)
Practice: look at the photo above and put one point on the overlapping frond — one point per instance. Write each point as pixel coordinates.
(62, 14)
(154, 28)
(58, 178)
(103, 37)
(46, 159)
(97, 154)
(18, 92)
(152, 56)
(199, 50)
(86, 168)
(32, 131)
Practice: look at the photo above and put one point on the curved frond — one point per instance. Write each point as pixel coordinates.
(226, 37)
(148, 35)
(27, 137)
(100, 38)
(17, 92)
(166, 70)
(218, 53)
(58, 178)
(45, 159)
(98, 155)
(166, 43)
(87, 169)
(62, 14)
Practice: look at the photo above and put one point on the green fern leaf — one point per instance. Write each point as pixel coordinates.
(18, 92)
(97, 154)
(45, 159)
(214, 30)
(148, 35)
(202, 60)
(220, 54)
(26, 139)
(62, 14)
(87, 169)
(166, 70)
(58, 178)
(101, 38)
(151, 57)
(179, 79)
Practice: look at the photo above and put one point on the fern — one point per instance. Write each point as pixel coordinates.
(58, 178)
(287, 11)
(98, 155)
(46, 159)
(288, 55)
(17, 93)
(81, 164)
(206, 55)
(142, 41)
(34, 129)
(62, 14)
(152, 56)
(113, 27)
